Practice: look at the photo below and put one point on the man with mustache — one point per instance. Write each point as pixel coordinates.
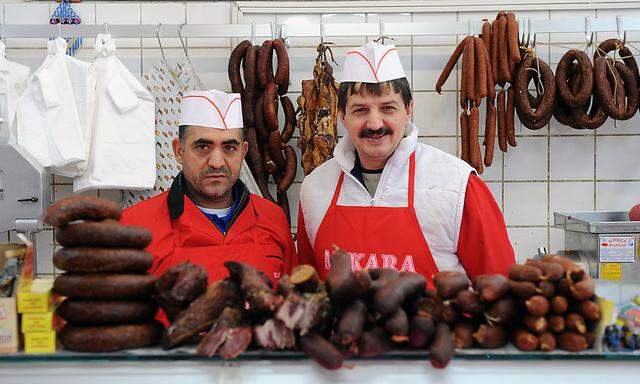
(389, 200)
(208, 216)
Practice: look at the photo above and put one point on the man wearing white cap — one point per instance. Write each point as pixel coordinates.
(387, 199)
(208, 216)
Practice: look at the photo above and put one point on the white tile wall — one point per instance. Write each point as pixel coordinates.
(552, 169)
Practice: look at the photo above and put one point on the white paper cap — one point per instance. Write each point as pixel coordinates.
(372, 63)
(214, 109)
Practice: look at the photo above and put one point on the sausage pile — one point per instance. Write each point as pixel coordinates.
(260, 89)
(543, 304)
(487, 61)
(109, 305)
(318, 114)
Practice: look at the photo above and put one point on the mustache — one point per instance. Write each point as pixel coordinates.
(371, 132)
(215, 171)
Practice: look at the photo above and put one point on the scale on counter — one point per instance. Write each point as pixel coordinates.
(607, 242)
(24, 190)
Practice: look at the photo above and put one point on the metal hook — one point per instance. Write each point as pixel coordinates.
(469, 27)
(184, 46)
(528, 31)
(588, 33)
(273, 30)
(321, 32)
(381, 30)
(106, 29)
(622, 36)
(164, 59)
(253, 33)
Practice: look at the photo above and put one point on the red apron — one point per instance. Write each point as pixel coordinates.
(199, 241)
(376, 237)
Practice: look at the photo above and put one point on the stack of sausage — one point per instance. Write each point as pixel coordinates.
(478, 313)
(487, 61)
(557, 301)
(109, 305)
(543, 304)
(259, 87)
(318, 114)
(589, 94)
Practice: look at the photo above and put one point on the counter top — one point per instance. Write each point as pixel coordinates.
(155, 366)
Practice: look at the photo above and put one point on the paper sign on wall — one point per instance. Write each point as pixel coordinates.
(617, 248)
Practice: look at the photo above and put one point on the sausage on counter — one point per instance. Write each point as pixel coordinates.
(83, 311)
(107, 233)
(81, 208)
(96, 260)
(110, 338)
(104, 286)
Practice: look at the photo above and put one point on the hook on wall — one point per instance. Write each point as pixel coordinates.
(253, 33)
(622, 34)
(164, 59)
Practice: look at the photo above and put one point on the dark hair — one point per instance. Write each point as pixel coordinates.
(182, 133)
(400, 86)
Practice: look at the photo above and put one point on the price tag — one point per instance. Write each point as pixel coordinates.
(611, 271)
(617, 248)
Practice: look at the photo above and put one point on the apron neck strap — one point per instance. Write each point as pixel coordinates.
(412, 179)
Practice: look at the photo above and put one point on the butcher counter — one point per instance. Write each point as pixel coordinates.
(153, 365)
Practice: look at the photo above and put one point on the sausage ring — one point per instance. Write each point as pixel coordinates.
(276, 146)
(265, 64)
(104, 286)
(580, 96)
(623, 51)
(290, 169)
(544, 111)
(82, 311)
(95, 260)
(81, 208)
(270, 107)
(282, 71)
(289, 118)
(110, 338)
(626, 88)
(592, 119)
(107, 233)
(563, 113)
(249, 67)
(234, 66)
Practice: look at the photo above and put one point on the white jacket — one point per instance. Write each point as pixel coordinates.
(13, 81)
(440, 187)
(48, 122)
(123, 144)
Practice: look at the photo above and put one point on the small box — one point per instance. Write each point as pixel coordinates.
(37, 322)
(9, 341)
(35, 296)
(40, 342)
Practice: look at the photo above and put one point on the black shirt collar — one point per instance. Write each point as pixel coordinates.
(175, 200)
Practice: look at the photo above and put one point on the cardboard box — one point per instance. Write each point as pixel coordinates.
(37, 322)
(40, 342)
(35, 296)
(9, 341)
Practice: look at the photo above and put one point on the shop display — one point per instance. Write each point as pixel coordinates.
(259, 87)
(487, 61)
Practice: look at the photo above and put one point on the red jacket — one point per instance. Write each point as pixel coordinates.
(259, 234)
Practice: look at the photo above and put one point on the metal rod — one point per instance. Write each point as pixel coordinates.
(309, 30)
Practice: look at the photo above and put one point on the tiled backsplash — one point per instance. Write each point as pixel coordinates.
(553, 169)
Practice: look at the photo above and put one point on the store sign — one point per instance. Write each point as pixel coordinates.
(617, 249)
